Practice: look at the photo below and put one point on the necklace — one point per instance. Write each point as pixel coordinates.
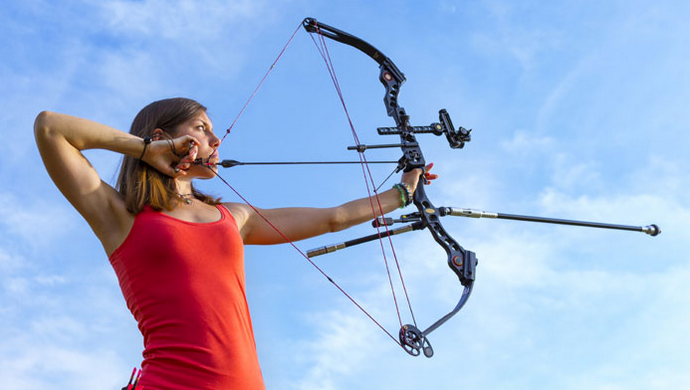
(187, 198)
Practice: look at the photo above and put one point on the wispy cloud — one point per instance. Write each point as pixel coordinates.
(38, 225)
(186, 20)
(342, 344)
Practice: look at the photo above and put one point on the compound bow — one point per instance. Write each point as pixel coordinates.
(463, 262)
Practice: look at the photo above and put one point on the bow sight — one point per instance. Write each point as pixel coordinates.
(456, 138)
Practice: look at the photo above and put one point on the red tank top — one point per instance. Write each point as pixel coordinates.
(184, 284)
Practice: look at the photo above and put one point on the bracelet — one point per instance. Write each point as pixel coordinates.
(147, 141)
(408, 192)
(405, 193)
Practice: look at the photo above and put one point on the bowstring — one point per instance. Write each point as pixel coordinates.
(367, 176)
(261, 83)
(368, 180)
(227, 132)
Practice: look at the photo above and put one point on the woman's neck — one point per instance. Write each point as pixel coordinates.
(184, 187)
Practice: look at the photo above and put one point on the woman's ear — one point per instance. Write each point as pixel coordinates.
(158, 134)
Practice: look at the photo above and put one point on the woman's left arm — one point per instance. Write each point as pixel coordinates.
(299, 223)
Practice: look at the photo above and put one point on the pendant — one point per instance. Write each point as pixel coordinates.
(187, 198)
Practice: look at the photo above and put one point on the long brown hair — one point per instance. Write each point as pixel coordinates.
(142, 184)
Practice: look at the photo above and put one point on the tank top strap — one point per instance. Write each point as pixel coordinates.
(226, 214)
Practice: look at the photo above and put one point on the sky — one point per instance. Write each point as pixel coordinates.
(578, 110)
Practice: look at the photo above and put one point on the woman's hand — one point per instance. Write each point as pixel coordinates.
(171, 156)
(412, 177)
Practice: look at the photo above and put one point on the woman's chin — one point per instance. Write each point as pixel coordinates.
(203, 173)
(208, 173)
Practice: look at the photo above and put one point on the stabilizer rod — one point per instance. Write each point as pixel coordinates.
(336, 247)
(652, 230)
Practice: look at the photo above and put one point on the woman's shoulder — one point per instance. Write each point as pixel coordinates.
(239, 211)
(234, 206)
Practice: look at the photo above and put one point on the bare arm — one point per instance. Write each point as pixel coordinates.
(298, 223)
(60, 139)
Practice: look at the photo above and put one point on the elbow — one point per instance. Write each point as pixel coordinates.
(41, 124)
(338, 221)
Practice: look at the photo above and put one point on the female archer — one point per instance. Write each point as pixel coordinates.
(177, 252)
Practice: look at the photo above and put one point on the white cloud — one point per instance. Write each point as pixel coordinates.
(9, 262)
(187, 20)
(570, 174)
(31, 365)
(210, 38)
(621, 207)
(563, 88)
(526, 44)
(338, 350)
(524, 142)
(36, 225)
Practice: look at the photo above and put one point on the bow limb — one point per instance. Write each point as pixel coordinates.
(460, 260)
(391, 77)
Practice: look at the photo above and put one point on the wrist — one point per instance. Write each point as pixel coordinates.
(147, 141)
(406, 193)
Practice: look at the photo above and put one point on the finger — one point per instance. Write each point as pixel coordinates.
(187, 159)
(183, 167)
(430, 176)
(175, 172)
(193, 151)
(184, 144)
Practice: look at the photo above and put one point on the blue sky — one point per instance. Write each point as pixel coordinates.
(579, 110)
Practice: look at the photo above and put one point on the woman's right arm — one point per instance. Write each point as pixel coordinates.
(61, 138)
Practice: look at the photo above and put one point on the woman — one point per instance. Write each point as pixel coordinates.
(178, 253)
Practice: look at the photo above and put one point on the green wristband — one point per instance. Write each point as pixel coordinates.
(403, 195)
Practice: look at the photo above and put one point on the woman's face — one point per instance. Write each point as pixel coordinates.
(201, 128)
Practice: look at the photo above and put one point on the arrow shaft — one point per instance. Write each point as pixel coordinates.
(232, 163)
